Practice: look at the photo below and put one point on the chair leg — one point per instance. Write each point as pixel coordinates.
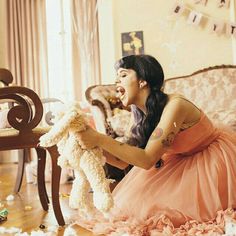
(41, 153)
(20, 170)
(56, 174)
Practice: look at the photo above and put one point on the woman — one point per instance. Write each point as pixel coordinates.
(184, 170)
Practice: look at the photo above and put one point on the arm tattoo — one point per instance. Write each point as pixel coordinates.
(167, 142)
(156, 134)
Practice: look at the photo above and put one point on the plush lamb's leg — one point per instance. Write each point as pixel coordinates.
(62, 160)
(92, 167)
(73, 151)
(79, 196)
(80, 190)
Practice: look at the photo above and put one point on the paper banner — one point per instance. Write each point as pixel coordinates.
(223, 3)
(202, 2)
(231, 29)
(177, 9)
(194, 18)
(216, 26)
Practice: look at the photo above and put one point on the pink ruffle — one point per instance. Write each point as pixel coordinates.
(158, 226)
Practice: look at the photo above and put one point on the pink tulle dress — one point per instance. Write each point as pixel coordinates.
(193, 193)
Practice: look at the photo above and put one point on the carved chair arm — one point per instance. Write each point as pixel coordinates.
(22, 115)
(5, 76)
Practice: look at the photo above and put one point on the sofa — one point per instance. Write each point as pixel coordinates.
(212, 89)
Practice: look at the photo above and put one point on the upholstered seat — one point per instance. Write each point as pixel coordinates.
(13, 132)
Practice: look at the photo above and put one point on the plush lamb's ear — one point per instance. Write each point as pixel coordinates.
(58, 131)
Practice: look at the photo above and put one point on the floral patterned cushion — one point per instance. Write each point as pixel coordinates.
(121, 123)
(227, 117)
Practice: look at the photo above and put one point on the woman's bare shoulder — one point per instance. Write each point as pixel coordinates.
(192, 111)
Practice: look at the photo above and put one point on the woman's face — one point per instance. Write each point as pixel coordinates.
(127, 85)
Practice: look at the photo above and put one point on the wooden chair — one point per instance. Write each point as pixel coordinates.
(6, 78)
(24, 116)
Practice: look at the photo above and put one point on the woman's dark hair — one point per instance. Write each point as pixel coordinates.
(147, 68)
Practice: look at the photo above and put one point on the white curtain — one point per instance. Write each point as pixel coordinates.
(73, 49)
(85, 44)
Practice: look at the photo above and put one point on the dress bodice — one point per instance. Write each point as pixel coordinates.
(195, 138)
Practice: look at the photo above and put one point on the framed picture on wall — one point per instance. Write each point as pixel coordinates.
(132, 43)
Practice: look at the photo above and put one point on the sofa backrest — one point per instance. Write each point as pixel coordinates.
(211, 89)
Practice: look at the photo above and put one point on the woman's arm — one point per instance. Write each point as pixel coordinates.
(159, 142)
(126, 153)
(114, 161)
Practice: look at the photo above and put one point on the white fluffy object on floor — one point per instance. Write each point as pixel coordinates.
(230, 228)
(31, 172)
(10, 197)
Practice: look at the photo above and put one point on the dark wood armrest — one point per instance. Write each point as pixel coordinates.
(22, 115)
(95, 102)
(5, 76)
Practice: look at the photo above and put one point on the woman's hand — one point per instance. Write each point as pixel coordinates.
(88, 139)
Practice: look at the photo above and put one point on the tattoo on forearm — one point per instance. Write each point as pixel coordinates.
(156, 134)
(167, 142)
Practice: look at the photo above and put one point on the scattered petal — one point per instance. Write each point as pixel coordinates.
(69, 231)
(66, 195)
(28, 208)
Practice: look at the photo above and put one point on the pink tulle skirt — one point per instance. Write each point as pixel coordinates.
(192, 194)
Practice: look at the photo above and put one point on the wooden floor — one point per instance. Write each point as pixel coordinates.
(20, 215)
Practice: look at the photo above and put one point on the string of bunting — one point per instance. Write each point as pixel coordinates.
(220, 3)
(196, 18)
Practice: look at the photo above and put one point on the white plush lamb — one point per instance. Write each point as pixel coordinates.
(87, 164)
